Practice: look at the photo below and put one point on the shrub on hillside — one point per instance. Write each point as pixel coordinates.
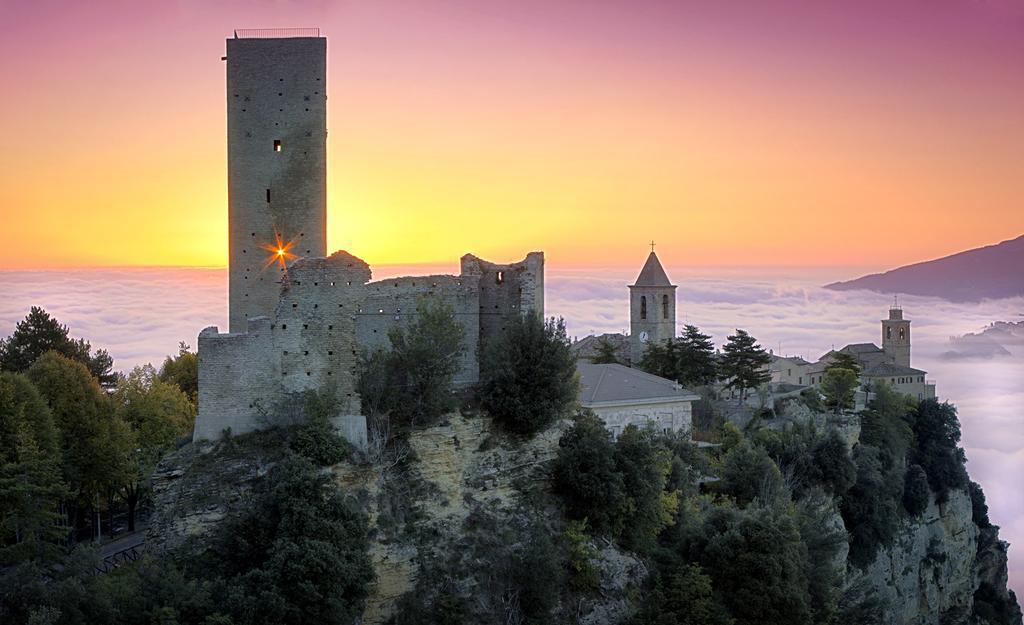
(748, 473)
(298, 556)
(617, 487)
(316, 439)
(414, 380)
(836, 471)
(870, 508)
(936, 448)
(683, 596)
(586, 477)
(757, 562)
(979, 509)
(528, 375)
(915, 490)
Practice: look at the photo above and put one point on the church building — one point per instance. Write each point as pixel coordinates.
(652, 317)
(652, 308)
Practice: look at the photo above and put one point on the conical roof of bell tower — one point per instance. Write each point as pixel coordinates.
(653, 274)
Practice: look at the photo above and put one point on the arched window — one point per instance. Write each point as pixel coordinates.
(643, 306)
(664, 306)
(888, 332)
(903, 333)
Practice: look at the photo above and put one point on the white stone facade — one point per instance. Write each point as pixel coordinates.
(667, 416)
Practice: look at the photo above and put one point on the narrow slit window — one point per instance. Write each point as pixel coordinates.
(643, 307)
(268, 196)
(277, 145)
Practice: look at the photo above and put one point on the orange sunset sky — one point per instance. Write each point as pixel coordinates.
(733, 133)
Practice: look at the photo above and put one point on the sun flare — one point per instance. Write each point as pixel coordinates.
(280, 252)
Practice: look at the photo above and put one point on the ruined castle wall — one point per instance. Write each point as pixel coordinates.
(327, 315)
(314, 328)
(393, 302)
(246, 378)
(505, 290)
(236, 377)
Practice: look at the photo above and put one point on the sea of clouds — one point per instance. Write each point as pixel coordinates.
(140, 315)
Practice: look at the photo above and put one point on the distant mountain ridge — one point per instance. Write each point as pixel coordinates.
(990, 272)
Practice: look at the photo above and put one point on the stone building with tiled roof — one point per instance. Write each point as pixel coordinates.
(623, 396)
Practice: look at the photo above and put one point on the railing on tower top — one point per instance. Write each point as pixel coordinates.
(271, 33)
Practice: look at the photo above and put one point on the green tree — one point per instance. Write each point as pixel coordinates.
(644, 467)
(316, 439)
(95, 444)
(937, 447)
(659, 358)
(586, 477)
(979, 509)
(21, 405)
(915, 490)
(743, 362)
(839, 385)
(885, 425)
(538, 573)
(757, 562)
(299, 555)
(619, 487)
(748, 473)
(697, 364)
(683, 596)
(835, 470)
(528, 375)
(869, 508)
(606, 353)
(39, 333)
(422, 363)
(182, 371)
(376, 383)
(158, 413)
(839, 360)
(583, 573)
(30, 481)
(824, 542)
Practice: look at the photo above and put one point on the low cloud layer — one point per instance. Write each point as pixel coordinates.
(140, 315)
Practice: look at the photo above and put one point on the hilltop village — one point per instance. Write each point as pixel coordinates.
(300, 319)
(434, 449)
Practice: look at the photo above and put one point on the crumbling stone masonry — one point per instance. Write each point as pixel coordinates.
(328, 315)
(298, 320)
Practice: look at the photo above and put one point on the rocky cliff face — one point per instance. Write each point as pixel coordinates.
(467, 478)
(936, 567)
(461, 483)
(929, 571)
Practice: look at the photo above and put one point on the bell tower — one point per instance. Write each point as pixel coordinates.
(896, 336)
(652, 308)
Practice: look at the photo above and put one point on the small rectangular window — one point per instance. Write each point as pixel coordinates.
(268, 196)
(277, 145)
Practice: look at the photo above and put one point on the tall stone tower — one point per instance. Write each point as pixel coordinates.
(896, 337)
(652, 308)
(277, 162)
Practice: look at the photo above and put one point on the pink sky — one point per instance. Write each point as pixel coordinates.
(785, 133)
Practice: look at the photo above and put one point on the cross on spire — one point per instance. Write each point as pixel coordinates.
(652, 245)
